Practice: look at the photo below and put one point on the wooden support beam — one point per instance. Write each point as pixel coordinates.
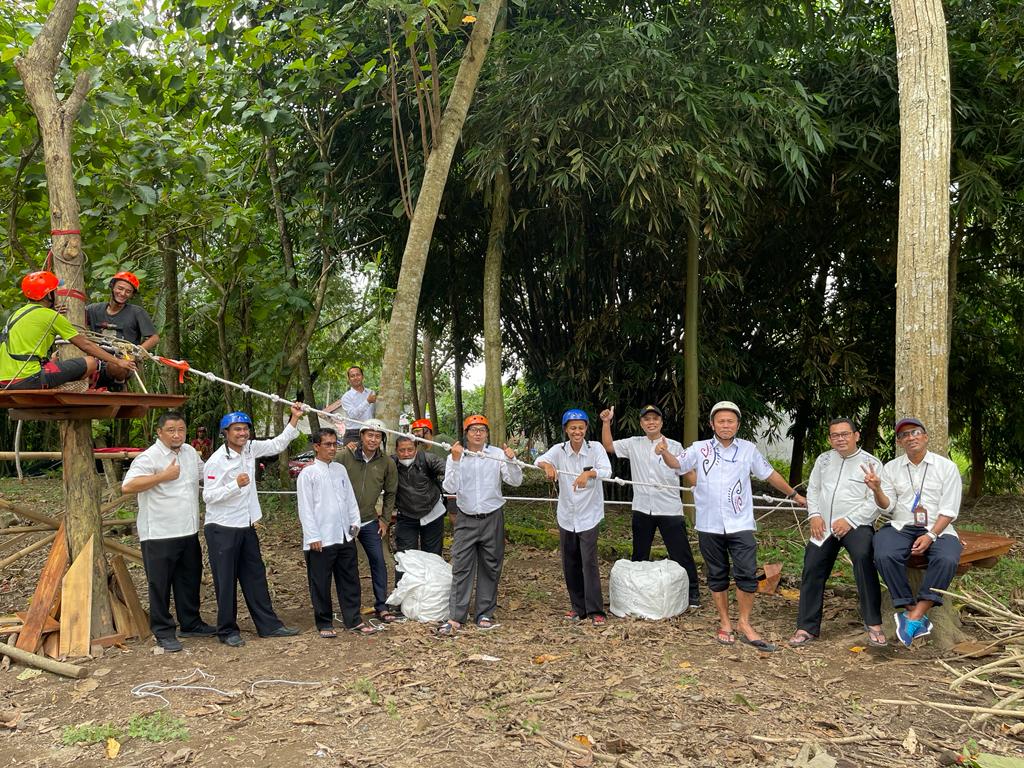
(77, 604)
(122, 549)
(126, 588)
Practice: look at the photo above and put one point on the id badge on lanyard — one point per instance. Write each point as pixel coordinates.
(920, 513)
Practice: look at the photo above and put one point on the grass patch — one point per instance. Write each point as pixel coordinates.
(364, 685)
(157, 727)
(89, 733)
(1004, 582)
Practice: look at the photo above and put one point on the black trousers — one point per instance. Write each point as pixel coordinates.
(892, 550)
(235, 559)
(173, 565)
(409, 534)
(582, 576)
(673, 533)
(818, 564)
(718, 549)
(338, 563)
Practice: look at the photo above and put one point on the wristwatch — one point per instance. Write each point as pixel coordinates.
(932, 535)
(791, 494)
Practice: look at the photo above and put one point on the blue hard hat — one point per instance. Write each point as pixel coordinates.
(235, 417)
(574, 414)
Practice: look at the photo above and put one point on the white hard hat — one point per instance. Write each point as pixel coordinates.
(376, 425)
(725, 405)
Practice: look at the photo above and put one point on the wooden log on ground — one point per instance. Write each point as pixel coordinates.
(27, 550)
(41, 662)
(122, 549)
(24, 529)
(47, 590)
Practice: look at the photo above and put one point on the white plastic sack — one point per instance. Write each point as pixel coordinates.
(648, 590)
(425, 587)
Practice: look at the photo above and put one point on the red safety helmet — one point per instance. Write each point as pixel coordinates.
(36, 285)
(422, 424)
(474, 419)
(128, 277)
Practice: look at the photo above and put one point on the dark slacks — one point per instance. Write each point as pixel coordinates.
(173, 566)
(892, 550)
(582, 576)
(673, 533)
(409, 534)
(718, 549)
(818, 564)
(478, 553)
(235, 559)
(338, 563)
(369, 537)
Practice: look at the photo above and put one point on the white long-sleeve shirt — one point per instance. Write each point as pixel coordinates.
(645, 466)
(357, 408)
(327, 504)
(476, 481)
(169, 509)
(579, 510)
(938, 480)
(226, 503)
(836, 489)
(722, 494)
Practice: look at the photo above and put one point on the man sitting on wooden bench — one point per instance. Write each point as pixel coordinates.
(921, 491)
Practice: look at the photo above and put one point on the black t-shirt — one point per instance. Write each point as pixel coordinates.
(131, 324)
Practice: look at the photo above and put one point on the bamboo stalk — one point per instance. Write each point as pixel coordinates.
(24, 529)
(983, 669)
(1018, 714)
(122, 549)
(27, 550)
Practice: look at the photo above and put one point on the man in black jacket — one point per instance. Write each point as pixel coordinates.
(420, 510)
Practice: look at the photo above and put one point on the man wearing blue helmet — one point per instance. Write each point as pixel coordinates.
(232, 510)
(580, 512)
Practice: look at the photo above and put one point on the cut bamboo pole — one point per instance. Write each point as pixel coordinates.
(27, 550)
(41, 662)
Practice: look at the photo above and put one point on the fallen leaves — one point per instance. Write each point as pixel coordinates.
(9, 718)
(545, 658)
(910, 743)
(483, 657)
(29, 673)
(112, 748)
(858, 649)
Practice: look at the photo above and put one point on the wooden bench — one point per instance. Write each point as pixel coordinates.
(981, 550)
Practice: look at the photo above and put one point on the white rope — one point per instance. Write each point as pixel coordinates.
(155, 688)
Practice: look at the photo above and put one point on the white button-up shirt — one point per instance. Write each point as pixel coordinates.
(226, 503)
(169, 509)
(836, 489)
(356, 407)
(938, 480)
(476, 481)
(327, 504)
(583, 509)
(645, 466)
(722, 494)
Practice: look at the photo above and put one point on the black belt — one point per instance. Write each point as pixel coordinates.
(477, 517)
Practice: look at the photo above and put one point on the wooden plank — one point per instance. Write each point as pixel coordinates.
(981, 550)
(122, 618)
(64, 413)
(50, 624)
(76, 604)
(51, 645)
(47, 592)
(109, 641)
(126, 587)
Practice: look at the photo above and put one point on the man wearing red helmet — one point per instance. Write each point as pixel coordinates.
(29, 333)
(118, 319)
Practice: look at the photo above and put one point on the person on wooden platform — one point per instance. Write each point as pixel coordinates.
(232, 511)
(30, 332)
(118, 318)
(329, 514)
(841, 511)
(921, 490)
(166, 476)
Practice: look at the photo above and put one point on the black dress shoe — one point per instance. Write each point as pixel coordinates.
(235, 640)
(282, 632)
(169, 644)
(204, 630)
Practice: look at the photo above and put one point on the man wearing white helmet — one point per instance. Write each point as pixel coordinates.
(372, 473)
(725, 515)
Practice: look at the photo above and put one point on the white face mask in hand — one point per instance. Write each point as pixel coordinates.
(406, 462)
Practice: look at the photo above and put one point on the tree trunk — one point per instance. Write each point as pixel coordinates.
(38, 68)
(494, 398)
(429, 393)
(922, 338)
(170, 339)
(977, 487)
(799, 432)
(306, 379)
(414, 391)
(402, 326)
(459, 415)
(869, 429)
(691, 370)
(222, 345)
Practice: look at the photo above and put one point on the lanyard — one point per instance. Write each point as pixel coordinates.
(917, 491)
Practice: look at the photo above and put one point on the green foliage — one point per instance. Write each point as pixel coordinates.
(157, 727)
(89, 733)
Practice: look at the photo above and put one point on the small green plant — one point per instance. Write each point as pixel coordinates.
(89, 733)
(157, 727)
(392, 709)
(531, 726)
(685, 681)
(363, 685)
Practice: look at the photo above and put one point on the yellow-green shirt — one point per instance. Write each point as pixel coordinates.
(32, 333)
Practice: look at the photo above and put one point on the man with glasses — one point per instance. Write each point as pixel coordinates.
(921, 491)
(841, 511)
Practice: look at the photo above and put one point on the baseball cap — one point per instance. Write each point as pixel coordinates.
(651, 409)
(909, 422)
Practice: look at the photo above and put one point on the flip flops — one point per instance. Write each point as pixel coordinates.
(725, 638)
(446, 630)
(328, 634)
(363, 629)
(801, 638)
(762, 645)
(486, 623)
(876, 637)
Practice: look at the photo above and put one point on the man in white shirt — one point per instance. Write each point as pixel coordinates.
(654, 508)
(921, 491)
(329, 515)
(580, 512)
(232, 510)
(725, 515)
(478, 540)
(166, 477)
(841, 511)
(359, 404)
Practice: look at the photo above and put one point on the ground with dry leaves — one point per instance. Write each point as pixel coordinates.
(535, 692)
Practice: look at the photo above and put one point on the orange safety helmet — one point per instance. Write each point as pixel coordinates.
(422, 424)
(474, 419)
(128, 277)
(36, 285)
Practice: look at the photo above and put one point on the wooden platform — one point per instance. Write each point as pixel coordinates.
(56, 405)
(981, 550)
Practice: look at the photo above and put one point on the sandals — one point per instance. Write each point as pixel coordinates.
(762, 645)
(363, 629)
(446, 630)
(389, 618)
(876, 637)
(801, 638)
(486, 623)
(725, 638)
(328, 634)
(571, 616)
(598, 620)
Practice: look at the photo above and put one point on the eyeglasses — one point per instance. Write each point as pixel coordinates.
(325, 444)
(839, 435)
(477, 429)
(916, 432)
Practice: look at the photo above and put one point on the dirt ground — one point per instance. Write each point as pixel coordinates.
(534, 692)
